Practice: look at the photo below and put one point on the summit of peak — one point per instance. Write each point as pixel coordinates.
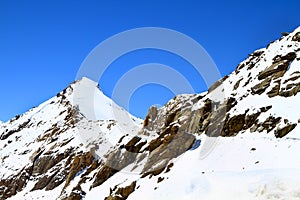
(87, 82)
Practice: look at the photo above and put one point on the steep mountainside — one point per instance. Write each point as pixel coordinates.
(241, 138)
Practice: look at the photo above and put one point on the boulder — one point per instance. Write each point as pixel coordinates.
(122, 193)
(281, 132)
(296, 37)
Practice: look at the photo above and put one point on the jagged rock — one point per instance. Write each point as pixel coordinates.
(288, 57)
(43, 164)
(121, 193)
(103, 174)
(281, 132)
(291, 79)
(296, 37)
(133, 145)
(126, 191)
(50, 133)
(132, 142)
(119, 159)
(79, 163)
(250, 120)
(43, 182)
(239, 67)
(9, 187)
(275, 70)
(113, 198)
(279, 67)
(8, 133)
(148, 122)
(290, 90)
(254, 58)
(270, 123)
(236, 85)
(217, 84)
(261, 87)
(284, 33)
(160, 179)
(168, 149)
(212, 122)
(274, 91)
(76, 194)
(57, 179)
(36, 155)
(256, 53)
(265, 109)
(233, 125)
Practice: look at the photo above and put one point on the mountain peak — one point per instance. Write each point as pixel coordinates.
(92, 102)
(86, 81)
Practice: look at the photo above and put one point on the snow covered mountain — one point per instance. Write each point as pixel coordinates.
(239, 139)
(40, 149)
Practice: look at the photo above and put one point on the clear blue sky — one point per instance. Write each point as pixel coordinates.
(43, 43)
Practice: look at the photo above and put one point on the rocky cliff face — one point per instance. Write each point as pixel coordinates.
(68, 149)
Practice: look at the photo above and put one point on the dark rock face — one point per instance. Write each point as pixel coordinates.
(43, 164)
(233, 125)
(166, 148)
(253, 59)
(275, 71)
(237, 84)
(76, 194)
(270, 123)
(279, 67)
(44, 181)
(79, 163)
(279, 133)
(296, 37)
(261, 87)
(8, 133)
(133, 145)
(104, 173)
(121, 193)
(274, 91)
(56, 179)
(11, 186)
(152, 113)
(290, 90)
